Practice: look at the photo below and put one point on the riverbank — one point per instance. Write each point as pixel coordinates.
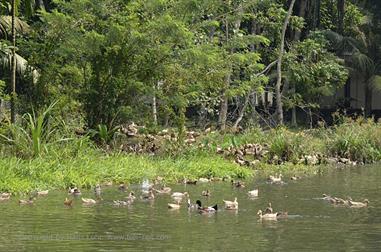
(209, 154)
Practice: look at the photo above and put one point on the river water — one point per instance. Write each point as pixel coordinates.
(313, 224)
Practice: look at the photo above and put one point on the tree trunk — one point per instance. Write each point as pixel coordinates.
(224, 106)
(242, 111)
(279, 105)
(316, 20)
(368, 100)
(224, 99)
(13, 65)
(302, 13)
(154, 109)
(340, 16)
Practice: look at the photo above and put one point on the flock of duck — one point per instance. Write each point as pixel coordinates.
(150, 192)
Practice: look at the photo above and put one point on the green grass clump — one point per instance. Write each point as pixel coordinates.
(86, 170)
(358, 140)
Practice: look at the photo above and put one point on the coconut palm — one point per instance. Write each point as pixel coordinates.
(361, 59)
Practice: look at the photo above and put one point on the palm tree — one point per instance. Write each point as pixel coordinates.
(15, 24)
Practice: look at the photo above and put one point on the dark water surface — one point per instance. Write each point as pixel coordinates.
(313, 225)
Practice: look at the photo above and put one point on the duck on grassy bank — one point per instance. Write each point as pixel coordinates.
(5, 196)
(42, 193)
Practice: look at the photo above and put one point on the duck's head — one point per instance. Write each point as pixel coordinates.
(186, 194)
(235, 199)
(325, 195)
(366, 201)
(269, 204)
(259, 212)
(198, 202)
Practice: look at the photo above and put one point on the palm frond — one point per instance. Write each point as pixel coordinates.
(6, 25)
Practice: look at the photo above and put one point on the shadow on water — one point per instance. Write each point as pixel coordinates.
(312, 224)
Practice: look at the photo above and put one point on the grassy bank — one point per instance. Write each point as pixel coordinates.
(78, 162)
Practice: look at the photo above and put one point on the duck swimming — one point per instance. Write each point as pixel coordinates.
(88, 201)
(179, 194)
(205, 210)
(148, 196)
(29, 201)
(68, 202)
(122, 202)
(267, 216)
(269, 209)
(365, 203)
(74, 191)
(206, 193)
(163, 190)
(231, 205)
(253, 193)
(237, 184)
(98, 190)
(131, 196)
(174, 205)
(42, 193)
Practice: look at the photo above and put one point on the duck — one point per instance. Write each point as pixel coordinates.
(163, 190)
(205, 210)
(327, 197)
(131, 196)
(68, 202)
(237, 184)
(74, 191)
(206, 193)
(282, 215)
(148, 196)
(269, 209)
(253, 193)
(267, 216)
(4, 198)
(231, 205)
(295, 177)
(365, 203)
(192, 206)
(203, 180)
(98, 189)
(179, 194)
(158, 180)
(5, 195)
(146, 185)
(122, 187)
(275, 179)
(174, 205)
(122, 202)
(340, 201)
(88, 201)
(29, 201)
(42, 193)
(190, 182)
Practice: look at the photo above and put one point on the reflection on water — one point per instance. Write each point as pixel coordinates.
(313, 224)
